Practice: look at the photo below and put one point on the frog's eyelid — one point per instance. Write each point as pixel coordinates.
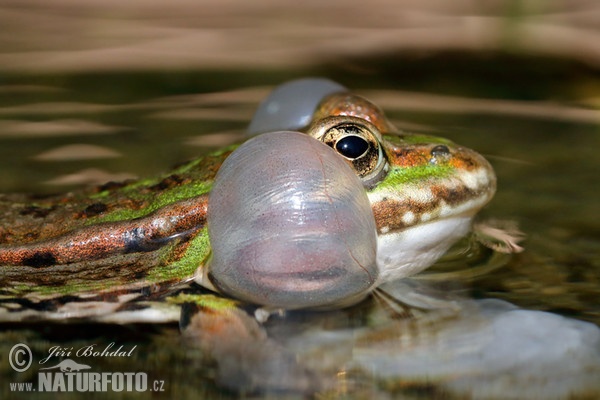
(379, 172)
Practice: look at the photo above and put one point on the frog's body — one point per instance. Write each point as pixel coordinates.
(143, 239)
(124, 236)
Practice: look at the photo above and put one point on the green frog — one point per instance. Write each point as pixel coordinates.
(100, 251)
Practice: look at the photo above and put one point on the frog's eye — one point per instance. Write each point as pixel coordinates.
(352, 147)
(358, 141)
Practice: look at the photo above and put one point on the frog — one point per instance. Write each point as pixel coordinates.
(137, 250)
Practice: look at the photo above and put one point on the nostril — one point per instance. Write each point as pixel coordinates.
(440, 151)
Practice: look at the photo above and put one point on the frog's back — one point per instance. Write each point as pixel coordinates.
(133, 238)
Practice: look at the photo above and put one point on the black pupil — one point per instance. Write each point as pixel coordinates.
(352, 146)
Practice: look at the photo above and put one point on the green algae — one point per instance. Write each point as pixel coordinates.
(210, 301)
(195, 256)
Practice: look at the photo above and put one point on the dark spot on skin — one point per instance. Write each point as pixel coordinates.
(389, 214)
(40, 196)
(469, 162)
(37, 212)
(31, 235)
(167, 183)
(112, 185)
(40, 259)
(454, 196)
(94, 209)
(440, 150)
(140, 274)
(138, 240)
(135, 241)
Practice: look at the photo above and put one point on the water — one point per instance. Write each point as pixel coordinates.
(544, 153)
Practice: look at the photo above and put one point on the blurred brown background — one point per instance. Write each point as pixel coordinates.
(74, 35)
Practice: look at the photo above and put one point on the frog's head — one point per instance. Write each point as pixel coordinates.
(419, 193)
(424, 190)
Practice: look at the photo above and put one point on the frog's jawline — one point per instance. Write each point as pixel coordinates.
(406, 252)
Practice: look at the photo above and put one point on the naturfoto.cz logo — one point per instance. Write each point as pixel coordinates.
(69, 375)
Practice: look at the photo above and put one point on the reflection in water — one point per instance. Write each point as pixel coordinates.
(89, 176)
(71, 127)
(77, 152)
(485, 349)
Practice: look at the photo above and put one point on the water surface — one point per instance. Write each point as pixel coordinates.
(537, 126)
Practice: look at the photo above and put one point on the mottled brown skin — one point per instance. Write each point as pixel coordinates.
(55, 241)
(28, 218)
(348, 104)
(389, 212)
(177, 220)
